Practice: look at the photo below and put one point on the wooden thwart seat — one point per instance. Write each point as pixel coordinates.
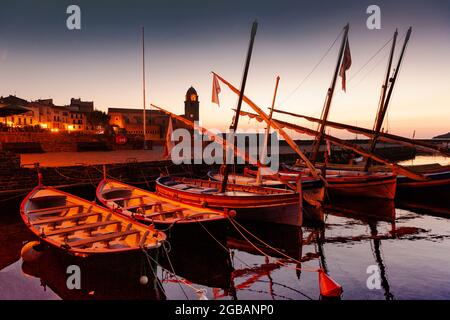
(63, 219)
(53, 209)
(127, 198)
(144, 206)
(83, 227)
(165, 212)
(103, 238)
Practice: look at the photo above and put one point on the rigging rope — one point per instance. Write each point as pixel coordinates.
(313, 69)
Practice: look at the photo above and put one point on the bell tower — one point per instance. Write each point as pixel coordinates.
(191, 105)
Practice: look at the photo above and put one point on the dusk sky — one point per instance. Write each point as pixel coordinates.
(185, 40)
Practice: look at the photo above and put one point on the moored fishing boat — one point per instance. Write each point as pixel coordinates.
(83, 228)
(354, 183)
(437, 177)
(249, 202)
(247, 180)
(151, 208)
(313, 190)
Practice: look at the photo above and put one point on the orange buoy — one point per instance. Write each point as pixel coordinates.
(328, 287)
(31, 251)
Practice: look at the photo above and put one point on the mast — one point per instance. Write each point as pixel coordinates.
(266, 135)
(378, 119)
(329, 98)
(234, 125)
(143, 89)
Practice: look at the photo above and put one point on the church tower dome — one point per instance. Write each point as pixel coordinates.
(191, 105)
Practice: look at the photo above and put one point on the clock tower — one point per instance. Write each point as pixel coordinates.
(191, 105)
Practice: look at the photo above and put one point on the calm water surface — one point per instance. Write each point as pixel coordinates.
(411, 248)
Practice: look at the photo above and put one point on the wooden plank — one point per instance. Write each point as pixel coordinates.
(161, 213)
(103, 238)
(127, 198)
(61, 208)
(144, 206)
(63, 219)
(87, 226)
(50, 212)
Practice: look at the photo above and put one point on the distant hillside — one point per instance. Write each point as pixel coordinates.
(443, 136)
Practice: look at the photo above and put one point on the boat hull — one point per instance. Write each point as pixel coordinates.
(344, 183)
(274, 205)
(68, 223)
(381, 188)
(124, 193)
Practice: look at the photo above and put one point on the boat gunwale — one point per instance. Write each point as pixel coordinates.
(84, 252)
(220, 215)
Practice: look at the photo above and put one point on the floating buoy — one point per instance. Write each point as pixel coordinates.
(31, 251)
(328, 287)
(143, 280)
(201, 294)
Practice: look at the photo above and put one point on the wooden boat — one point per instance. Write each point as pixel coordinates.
(151, 208)
(437, 177)
(354, 183)
(247, 180)
(312, 189)
(249, 202)
(83, 228)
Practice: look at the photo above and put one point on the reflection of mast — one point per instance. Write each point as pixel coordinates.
(379, 259)
(320, 241)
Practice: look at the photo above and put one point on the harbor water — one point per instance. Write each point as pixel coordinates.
(374, 249)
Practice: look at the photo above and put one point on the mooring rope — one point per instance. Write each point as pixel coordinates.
(276, 250)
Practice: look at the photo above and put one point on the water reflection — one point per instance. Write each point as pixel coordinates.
(356, 234)
(100, 278)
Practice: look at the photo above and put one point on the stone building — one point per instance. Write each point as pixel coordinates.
(47, 115)
(131, 120)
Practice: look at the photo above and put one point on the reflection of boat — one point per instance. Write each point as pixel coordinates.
(14, 233)
(150, 208)
(354, 183)
(287, 239)
(426, 205)
(204, 261)
(250, 202)
(374, 208)
(100, 278)
(80, 227)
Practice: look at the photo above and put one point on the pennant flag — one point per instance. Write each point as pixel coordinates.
(345, 65)
(215, 90)
(169, 143)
